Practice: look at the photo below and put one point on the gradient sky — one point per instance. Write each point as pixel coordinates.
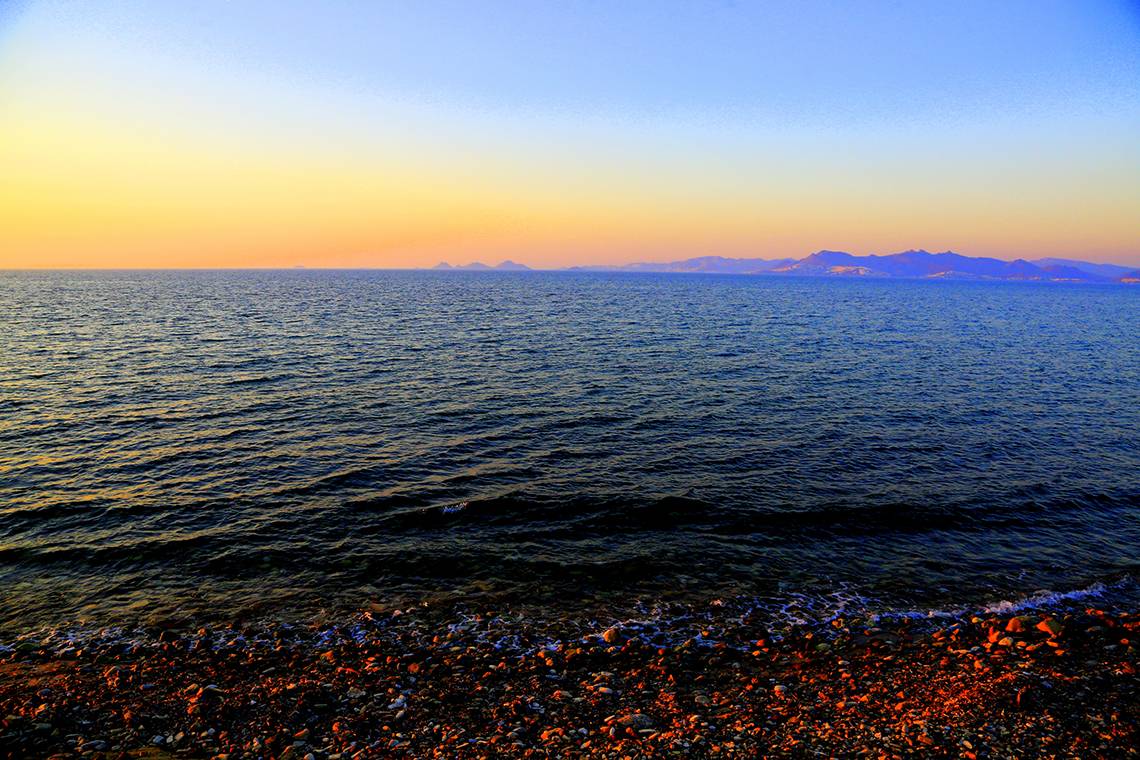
(250, 133)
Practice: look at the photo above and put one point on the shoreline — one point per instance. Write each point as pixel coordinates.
(1059, 682)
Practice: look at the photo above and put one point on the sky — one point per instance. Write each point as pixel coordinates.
(251, 133)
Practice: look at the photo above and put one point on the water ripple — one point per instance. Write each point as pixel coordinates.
(209, 442)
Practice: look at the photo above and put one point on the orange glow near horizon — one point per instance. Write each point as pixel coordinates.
(108, 164)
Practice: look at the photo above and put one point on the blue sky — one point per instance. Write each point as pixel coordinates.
(529, 123)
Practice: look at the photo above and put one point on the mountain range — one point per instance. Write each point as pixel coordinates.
(475, 266)
(700, 264)
(913, 264)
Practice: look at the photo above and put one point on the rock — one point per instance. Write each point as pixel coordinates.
(1051, 626)
(611, 636)
(636, 721)
(1019, 624)
(780, 690)
(1005, 641)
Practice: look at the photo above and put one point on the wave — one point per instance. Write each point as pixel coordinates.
(519, 629)
(1051, 599)
(622, 513)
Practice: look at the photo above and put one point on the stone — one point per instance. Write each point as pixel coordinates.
(637, 721)
(1019, 624)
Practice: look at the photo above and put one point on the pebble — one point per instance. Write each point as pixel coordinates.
(636, 720)
(893, 691)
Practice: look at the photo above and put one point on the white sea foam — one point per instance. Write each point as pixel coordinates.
(1046, 599)
(730, 621)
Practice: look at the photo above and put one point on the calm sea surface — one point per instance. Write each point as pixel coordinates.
(212, 444)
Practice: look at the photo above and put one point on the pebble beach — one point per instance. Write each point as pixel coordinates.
(482, 684)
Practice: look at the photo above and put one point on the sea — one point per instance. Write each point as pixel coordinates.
(205, 446)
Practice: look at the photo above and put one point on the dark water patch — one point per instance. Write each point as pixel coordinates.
(209, 441)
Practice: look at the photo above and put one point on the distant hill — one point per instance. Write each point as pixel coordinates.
(475, 266)
(1107, 271)
(914, 264)
(711, 264)
(947, 265)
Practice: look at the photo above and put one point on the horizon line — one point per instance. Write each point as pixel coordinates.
(527, 267)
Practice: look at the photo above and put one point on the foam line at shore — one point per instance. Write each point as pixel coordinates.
(715, 622)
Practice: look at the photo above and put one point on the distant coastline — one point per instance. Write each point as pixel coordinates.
(913, 264)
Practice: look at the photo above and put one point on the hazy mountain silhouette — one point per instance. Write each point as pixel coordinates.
(719, 264)
(475, 266)
(913, 264)
(948, 265)
(1108, 271)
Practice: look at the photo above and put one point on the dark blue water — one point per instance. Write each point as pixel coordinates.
(213, 444)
